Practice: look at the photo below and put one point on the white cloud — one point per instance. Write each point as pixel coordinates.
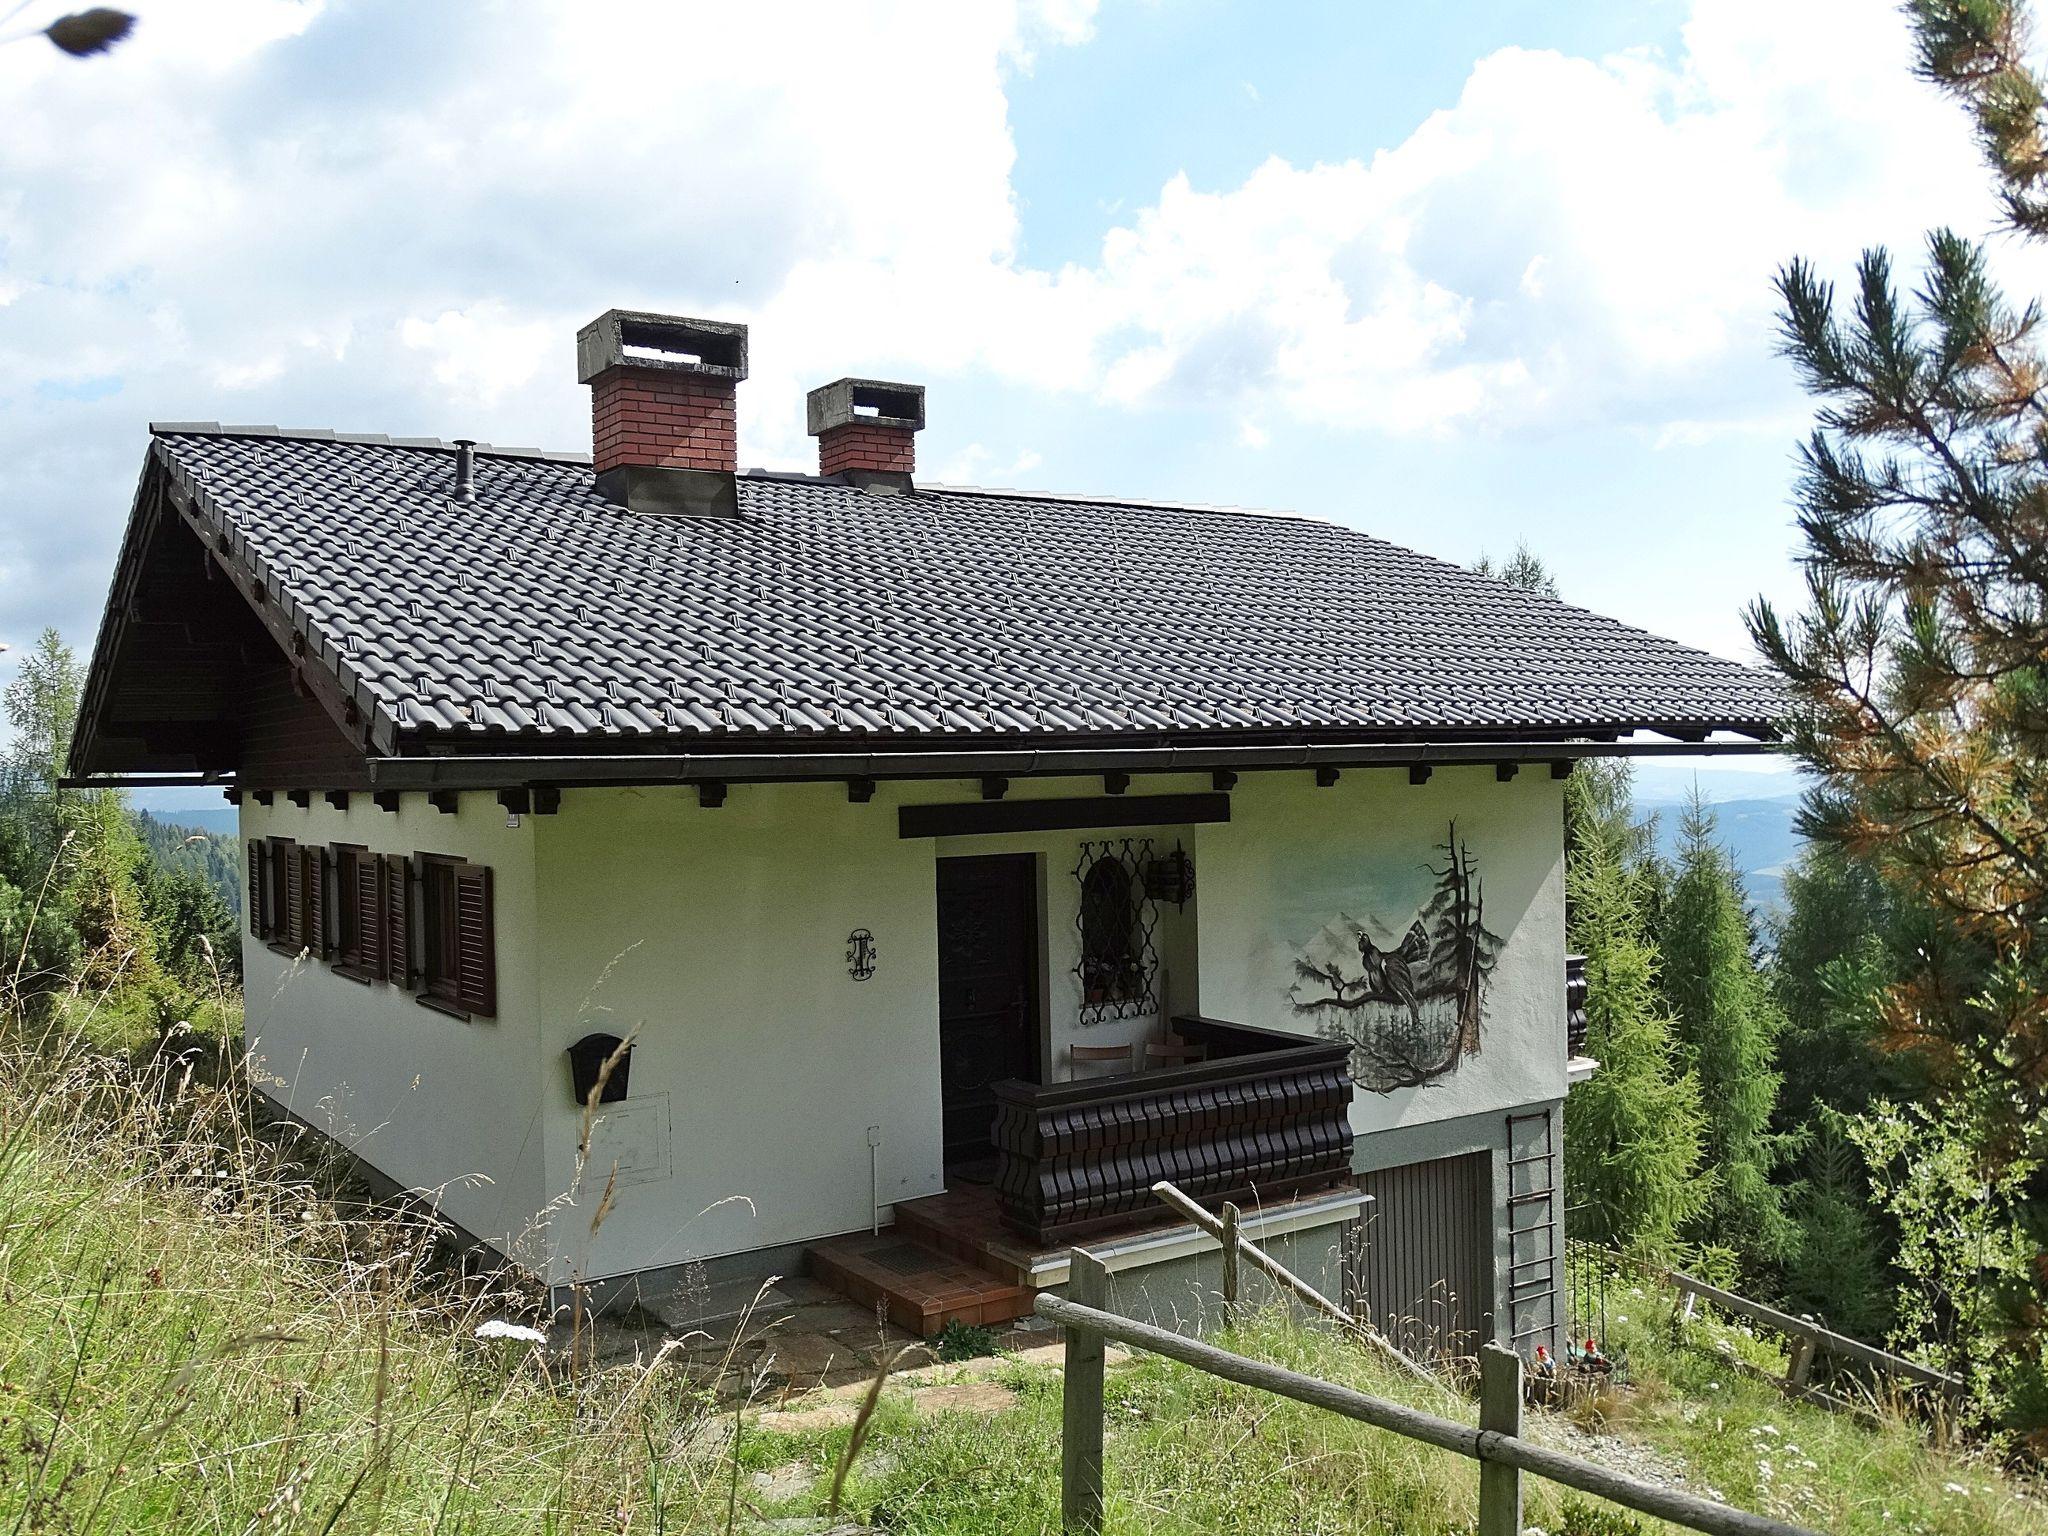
(391, 218)
(482, 353)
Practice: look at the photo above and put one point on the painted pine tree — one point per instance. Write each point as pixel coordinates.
(1462, 950)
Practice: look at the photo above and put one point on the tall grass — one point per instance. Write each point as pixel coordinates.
(201, 1331)
(203, 1328)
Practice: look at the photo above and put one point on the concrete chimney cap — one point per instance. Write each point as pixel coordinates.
(870, 402)
(631, 338)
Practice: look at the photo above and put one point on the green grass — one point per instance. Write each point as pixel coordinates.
(200, 1333)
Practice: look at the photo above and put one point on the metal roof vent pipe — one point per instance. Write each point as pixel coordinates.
(866, 431)
(662, 414)
(465, 469)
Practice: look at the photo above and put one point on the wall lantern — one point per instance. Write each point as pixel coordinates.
(586, 1060)
(1171, 877)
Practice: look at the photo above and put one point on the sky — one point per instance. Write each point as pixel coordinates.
(1463, 275)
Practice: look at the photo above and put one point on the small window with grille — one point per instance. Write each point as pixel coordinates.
(1119, 966)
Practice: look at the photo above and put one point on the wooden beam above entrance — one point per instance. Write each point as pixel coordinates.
(982, 816)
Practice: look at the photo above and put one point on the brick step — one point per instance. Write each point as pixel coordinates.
(915, 1286)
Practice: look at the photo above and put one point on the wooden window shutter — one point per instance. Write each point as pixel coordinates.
(313, 936)
(291, 924)
(366, 884)
(253, 894)
(476, 962)
(396, 911)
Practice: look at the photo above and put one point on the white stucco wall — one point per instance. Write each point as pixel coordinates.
(440, 1105)
(1296, 859)
(717, 938)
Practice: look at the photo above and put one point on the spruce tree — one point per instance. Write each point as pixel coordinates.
(1838, 1271)
(1728, 1024)
(1634, 1131)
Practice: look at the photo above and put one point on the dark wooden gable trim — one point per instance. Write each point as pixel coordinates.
(267, 628)
(970, 817)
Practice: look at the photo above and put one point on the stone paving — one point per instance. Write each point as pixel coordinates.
(777, 1343)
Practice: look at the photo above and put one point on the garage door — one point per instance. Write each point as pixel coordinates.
(1425, 1266)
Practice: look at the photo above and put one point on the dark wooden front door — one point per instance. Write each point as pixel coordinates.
(988, 1004)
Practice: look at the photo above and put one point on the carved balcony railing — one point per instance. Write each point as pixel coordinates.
(1574, 1005)
(1267, 1115)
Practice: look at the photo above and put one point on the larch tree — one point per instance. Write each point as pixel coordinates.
(1634, 1131)
(1919, 665)
(1728, 1023)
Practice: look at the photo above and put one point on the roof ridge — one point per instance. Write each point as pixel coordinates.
(366, 439)
(1149, 503)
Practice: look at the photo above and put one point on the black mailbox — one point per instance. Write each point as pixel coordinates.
(586, 1060)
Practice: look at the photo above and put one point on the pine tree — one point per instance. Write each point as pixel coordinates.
(1728, 1024)
(1634, 1131)
(1917, 667)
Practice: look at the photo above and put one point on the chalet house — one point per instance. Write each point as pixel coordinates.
(934, 868)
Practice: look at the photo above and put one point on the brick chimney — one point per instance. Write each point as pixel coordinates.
(661, 408)
(866, 430)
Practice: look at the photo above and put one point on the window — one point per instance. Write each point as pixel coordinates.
(1117, 959)
(359, 926)
(424, 923)
(460, 968)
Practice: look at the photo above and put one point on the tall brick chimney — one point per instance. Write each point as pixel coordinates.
(662, 423)
(866, 430)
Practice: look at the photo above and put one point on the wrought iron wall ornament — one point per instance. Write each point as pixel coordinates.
(860, 954)
(1119, 966)
(1171, 877)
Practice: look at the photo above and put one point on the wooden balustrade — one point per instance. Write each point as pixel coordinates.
(1266, 1116)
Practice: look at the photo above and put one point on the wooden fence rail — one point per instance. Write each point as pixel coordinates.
(1807, 1337)
(1493, 1444)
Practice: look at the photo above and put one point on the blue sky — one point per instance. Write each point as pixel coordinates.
(1458, 274)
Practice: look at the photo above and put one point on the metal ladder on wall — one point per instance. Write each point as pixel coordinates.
(1533, 1245)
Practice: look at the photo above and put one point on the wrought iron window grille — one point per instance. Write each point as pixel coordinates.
(1118, 971)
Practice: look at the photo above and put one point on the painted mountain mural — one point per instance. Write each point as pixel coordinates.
(1411, 1009)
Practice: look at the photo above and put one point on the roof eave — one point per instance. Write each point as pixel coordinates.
(510, 770)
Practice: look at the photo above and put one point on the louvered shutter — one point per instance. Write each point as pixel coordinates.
(366, 882)
(476, 963)
(291, 925)
(252, 893)
(396, 912)
(313, 937)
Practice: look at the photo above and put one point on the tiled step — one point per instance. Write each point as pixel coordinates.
(917, 1287)
(963, 1227)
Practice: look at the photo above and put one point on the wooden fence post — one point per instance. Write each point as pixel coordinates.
(1799, 1364)
(1500, 1410)
(1081, 1403)
(1230, 1258)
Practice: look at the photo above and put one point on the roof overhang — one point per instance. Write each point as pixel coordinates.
(500, 772)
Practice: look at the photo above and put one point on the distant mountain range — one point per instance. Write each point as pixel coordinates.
(221, 820)
(1759, 835)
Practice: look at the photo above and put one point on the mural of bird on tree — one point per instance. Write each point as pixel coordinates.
(1411, 1011)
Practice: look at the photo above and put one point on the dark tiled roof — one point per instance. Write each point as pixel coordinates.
(545, 610)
